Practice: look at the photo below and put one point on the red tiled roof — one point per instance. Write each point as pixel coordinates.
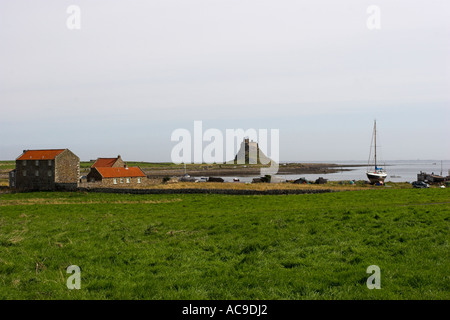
(108, 172)
(49, 154)
(104, 162)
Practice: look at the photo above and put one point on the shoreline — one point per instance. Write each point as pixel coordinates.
(247, 170)
(160, 170)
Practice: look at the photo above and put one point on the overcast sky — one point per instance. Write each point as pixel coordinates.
(137, 70)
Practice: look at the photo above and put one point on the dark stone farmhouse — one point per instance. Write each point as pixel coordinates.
(116, 177)
(109, 162)
(48, 169)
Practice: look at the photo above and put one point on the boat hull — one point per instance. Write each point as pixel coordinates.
(375, 177)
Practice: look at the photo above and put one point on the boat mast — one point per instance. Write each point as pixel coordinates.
(375, 135)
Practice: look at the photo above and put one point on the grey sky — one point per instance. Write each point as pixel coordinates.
(137, 70)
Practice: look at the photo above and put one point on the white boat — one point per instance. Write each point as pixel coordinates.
(377, 174)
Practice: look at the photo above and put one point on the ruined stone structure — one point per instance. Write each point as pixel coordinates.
(49, 169)
(249, 153)
(431, 178)
(116, 177)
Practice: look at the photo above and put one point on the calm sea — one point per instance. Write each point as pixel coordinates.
(397, 171)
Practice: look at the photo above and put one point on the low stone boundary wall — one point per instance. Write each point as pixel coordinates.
(206, 191)
(66, 187)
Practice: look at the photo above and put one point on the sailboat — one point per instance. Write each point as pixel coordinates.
(377, 175)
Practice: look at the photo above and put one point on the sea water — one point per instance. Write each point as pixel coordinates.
(397, 171)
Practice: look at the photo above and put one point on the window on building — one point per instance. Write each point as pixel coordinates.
(49, 173)
(49, 163)
(24, 162)
(139, 180)
(115, 181)
(12, 174)
(24, 173)
(121, 180)
(128, 180)
(37, 162)
(36, 173)
(13, 183)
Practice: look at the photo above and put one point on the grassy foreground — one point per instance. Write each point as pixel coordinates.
(226, 247)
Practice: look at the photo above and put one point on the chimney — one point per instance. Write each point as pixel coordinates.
(125, 166)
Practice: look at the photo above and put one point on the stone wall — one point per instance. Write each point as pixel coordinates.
(122, 182)
(119, 163)
(93, 175)
(66, 186)
(109, 183)
(205, 191)
(35, 174)
(67, 167)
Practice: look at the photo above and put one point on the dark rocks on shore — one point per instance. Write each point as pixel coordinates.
(301, 181)
(321, 180)
(265, 179)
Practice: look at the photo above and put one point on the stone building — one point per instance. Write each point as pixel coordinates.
(116, 177)
(12, 179)
(109, 162)
(48, 169)
(431, 178)
(250, 153)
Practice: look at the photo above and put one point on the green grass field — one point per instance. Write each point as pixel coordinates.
(226, 247)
